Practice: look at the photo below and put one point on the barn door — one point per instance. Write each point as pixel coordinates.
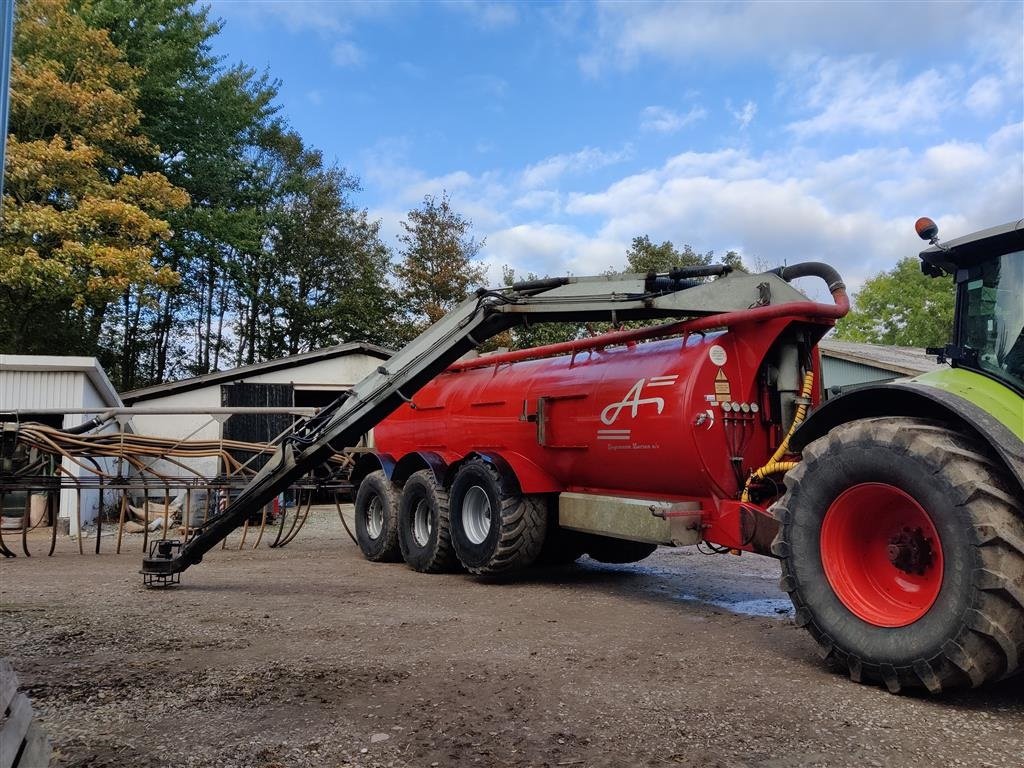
(255, 428)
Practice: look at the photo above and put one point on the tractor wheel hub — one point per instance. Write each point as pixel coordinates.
(911, 551)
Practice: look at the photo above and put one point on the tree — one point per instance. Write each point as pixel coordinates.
(161, 215)
(209, 122)
(733, 259)
(536, 334)
(81, 222)
(902, 307)
(325, 264)
(644, 256)
(437, 268)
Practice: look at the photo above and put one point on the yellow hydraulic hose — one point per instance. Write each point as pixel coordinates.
(775, 463)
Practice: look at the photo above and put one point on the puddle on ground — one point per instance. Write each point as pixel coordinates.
(761, 607)
(770, 607)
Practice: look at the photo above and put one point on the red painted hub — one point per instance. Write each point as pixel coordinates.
(881, 554)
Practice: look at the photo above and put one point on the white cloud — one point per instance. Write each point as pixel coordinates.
(487, 85)
(676, 31)
(321, 18)
(665, 120)
(449, 182)
(985, 96)
(551, 169)
(347, 54)
(552, 249)
(314, 97)
(859, 93)
(854, 210)
(539, 200)
(744, 115)
(486, 15)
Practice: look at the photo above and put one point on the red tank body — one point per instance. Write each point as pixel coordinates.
(657, 419)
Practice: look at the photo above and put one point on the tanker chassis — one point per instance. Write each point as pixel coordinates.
(895, 510)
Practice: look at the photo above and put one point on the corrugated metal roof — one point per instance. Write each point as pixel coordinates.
(245, 371)
(60, 364)
(908, 361)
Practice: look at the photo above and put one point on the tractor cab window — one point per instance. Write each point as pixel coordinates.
(993, 326)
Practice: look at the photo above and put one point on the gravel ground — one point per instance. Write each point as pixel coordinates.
(310, 656)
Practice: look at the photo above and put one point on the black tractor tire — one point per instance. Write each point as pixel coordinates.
(496, 530)
(973, 631)
(424, 532)
(376, 512)
(606, 549)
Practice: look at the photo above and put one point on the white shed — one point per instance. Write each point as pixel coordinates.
(310, 379)
(33, 387)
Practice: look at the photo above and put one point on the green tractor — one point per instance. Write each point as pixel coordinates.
(902, 529)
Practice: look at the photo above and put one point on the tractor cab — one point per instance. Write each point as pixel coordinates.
(988, 329)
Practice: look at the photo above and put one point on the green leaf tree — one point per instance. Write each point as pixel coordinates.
(329, 267)
(646, 256)
(209, 122)
(733, 259)
(536, 334)
(902, 307)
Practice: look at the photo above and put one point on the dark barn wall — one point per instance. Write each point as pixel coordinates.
(256, 428)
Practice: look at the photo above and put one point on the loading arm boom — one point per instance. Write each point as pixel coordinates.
(679, 293)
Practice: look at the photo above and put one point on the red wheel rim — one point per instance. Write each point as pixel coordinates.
(881, 554)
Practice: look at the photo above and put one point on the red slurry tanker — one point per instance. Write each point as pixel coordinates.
(625, 444)
(895, 510)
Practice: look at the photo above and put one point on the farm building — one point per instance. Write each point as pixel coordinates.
(66, 391)
(60, 392)
(307, 380)
(846, 364)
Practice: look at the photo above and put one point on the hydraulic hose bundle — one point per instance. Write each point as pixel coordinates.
(775, 464)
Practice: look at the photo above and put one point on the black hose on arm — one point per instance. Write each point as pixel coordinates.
(812, 269)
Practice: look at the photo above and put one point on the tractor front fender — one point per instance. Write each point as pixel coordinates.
(918, 400)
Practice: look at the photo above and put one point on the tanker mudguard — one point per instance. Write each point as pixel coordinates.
(371, 462)
(525, 475)
(509, 480)
(414, 462)
(917, 400)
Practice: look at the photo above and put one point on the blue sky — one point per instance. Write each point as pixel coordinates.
(785, 131)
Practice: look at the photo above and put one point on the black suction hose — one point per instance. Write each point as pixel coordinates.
(812, 269)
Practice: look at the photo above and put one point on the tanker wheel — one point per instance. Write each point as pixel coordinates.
(561, 546)
(376, 511)
(495, 529)
(903, 552)
(606, 549)
(424, 533)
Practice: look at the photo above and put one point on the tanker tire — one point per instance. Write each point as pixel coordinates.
(606, 549)
(973, 633)
(561, 547)
(424, 531)
(496, 530)
(376, 512)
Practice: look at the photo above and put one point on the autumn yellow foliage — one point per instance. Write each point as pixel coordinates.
(80, 226)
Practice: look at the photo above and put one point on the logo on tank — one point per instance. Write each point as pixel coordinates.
(633, 404)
